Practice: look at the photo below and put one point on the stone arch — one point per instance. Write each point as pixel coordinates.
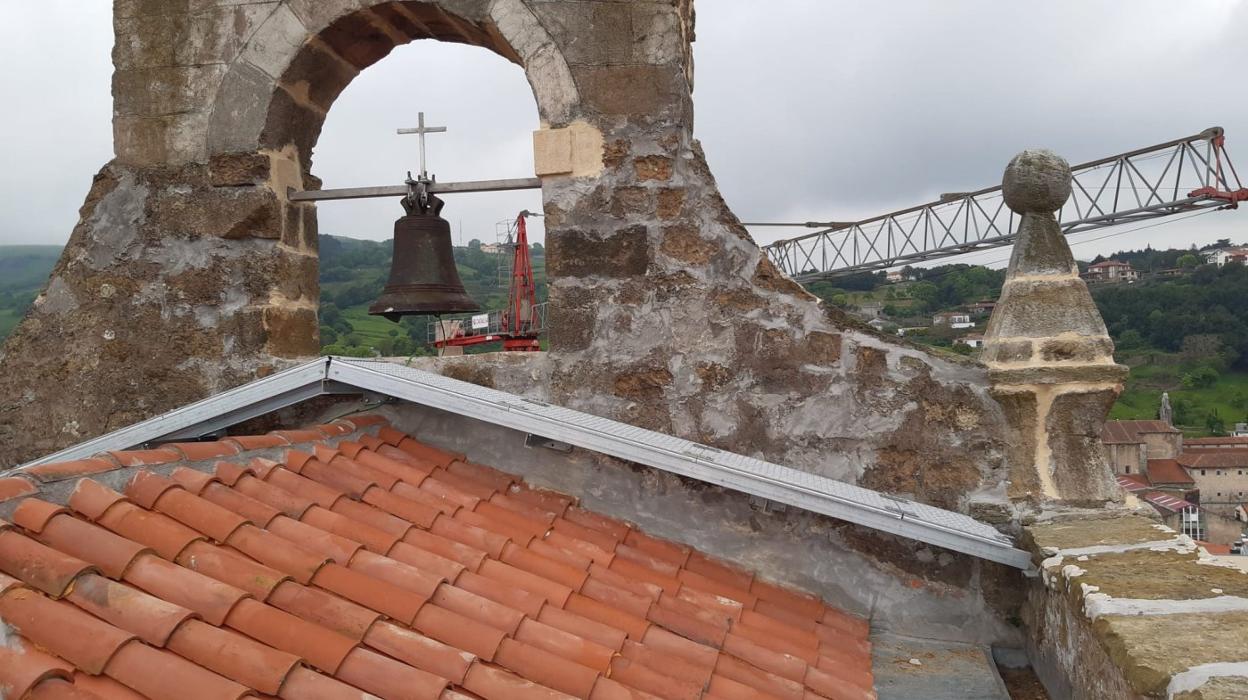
(279, 89)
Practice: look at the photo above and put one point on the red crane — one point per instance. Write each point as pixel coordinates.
(517, 326)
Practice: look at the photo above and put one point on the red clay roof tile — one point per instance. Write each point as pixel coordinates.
(150, 618)
(335, 429)
(158, 674)
(104, 687)
(247, 443)
(319, 646)
(62, 629)
(232, 655)
(22, 667)
(203, 451)
(60, 689)
(138, 458)
(295, 437)
(481, 563)
(68, 470)
(38, 565)
(365, 420)
(16, 487)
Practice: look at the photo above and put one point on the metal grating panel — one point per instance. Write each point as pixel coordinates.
(773, 482)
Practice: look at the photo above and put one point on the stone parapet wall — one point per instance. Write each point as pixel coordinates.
(1126, 608)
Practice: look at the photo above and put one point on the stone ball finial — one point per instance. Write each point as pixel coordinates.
(1036, 180)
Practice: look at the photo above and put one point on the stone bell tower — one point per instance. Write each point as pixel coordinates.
(1050, 359)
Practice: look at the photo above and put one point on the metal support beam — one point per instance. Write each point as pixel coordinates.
(521, 183)
(1175, 177)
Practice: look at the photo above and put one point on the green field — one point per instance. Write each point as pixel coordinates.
(1228, 398)
(371, 329)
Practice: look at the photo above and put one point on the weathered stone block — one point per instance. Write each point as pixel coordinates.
(654, 91)
(291, 332)
(1073, 427)
(359, 38)
(317, 76)
(653, 168)
(1042, 308)
(241, 109)
(237, 169)
(275, 43)
(686, 244)
(671, 203)
(573, 253)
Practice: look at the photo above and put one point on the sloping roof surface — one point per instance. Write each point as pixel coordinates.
(1119, 432)
(1168, 471)
(1167, 503)
(1133, 483)
(1214, 459)
(1219, 442)
(372, 565)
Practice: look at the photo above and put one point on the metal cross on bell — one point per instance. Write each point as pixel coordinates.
(423, 277)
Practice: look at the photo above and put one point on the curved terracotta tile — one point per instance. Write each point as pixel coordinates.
(126, 608)
(625, 601)
(564, 644)
(33, 514)
(667, 664)
(478, 608)
(523, 508)
(62, 629)
(104, 687)
(546, 668)
(295, 437)
(648, 560)
(719, 588)
(608, 614)
(527, 602)
(581, 626)
(635, 674)
(493, 683)
(192, 480)
(564, 556)
(351, 484)
(458, 631)
(391, 436)
(413, 493)
(536, 528)
(728, 689)
(546, 499)
(534, 563)
(257, 513)
(347, 465)
(602, 540)
(277, 552)
(779, 663)
(375, 594)
(287, 480)
(388, 678)
(329, 611)
(555, 592)
(419, 450)
(373, 539)
(687, 649)
(261, 467)
(415, 649)
(735, 669)
(229, 472)
(457, 530)
(616, 529)
(200, 514)
(521, 536)
(489, 476)
(203, 451)
(208, 597)
(850, 624)
(22, 667)
(372, 516)
(350, 448)
(228, 566)
(305, 684)
(139, 458)
(778, 641)
(58, 471)
(59, 689)
(320, 647)
(639, 572)
(331, 546)
(725, 607)
(162, 675)
(38, 565)
(607, 689)
(395, 453)
(436, 485)
(247, 443)
(160, 532)
(406, 469)
(687, 626)
(801, 637)
(463, 484)
(413, 512)
(233, 656)
(832, 641)
(7, 582)
(397, 572)
(851, 683)
(288, 503)
(614, 578)
(335, 429)
(365, 420)
(578, 547)
(16, 487)
(802, 604)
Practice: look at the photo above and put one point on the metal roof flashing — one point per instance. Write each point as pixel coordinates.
(924, 523)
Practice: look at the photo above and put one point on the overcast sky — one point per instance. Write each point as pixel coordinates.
(808, 109)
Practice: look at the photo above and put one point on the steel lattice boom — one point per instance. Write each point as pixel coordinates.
(1178, 176)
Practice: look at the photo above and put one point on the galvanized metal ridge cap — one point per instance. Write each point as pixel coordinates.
(973, 529)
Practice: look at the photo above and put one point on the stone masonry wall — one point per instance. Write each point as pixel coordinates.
(191, 271)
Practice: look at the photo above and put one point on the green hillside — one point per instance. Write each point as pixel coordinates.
(23, 271)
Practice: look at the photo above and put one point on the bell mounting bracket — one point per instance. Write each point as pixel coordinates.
(419, 201)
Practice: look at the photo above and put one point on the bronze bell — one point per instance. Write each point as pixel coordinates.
(423, 278)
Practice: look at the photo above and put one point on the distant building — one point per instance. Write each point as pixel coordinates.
(903, 332)
(973, 340)
(870, 310)
(1222, 256)
(1111, 271)
(1131, 444)
(493, 248)
(896, 276)
(953, 319)
(983, 306)
(878, 324)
